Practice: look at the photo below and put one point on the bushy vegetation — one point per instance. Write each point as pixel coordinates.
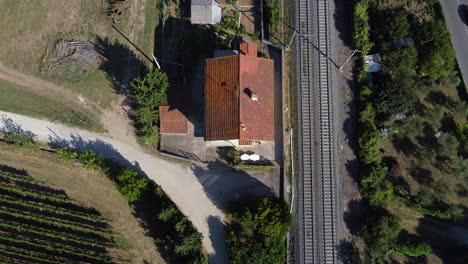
(147, 92)
(256, 232)
(407, 84)
(272, 15)
(42, 225)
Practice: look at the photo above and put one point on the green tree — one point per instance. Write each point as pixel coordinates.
(443, 189)
(375, 187)
(399, 61)
(424, 198)
(448, 145)
(436, 55)
(19, 139)
(147, 92)
(361, 26)
(427, 157)
(271, 217)
(369, 144)
(413, 127)
(380, 234)
(435, 116)
(393, 24)
(131, 184)
(396, 96)
(460, 169)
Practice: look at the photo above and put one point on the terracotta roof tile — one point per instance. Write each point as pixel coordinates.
(172, 120)
(229, 83)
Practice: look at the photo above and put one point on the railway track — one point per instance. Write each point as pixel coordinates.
(314, 236)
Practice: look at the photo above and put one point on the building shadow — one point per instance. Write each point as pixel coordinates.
(120, 63)
(224, 184)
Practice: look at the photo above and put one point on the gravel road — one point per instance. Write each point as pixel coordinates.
(179, 181)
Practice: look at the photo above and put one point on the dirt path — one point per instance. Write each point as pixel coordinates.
(179, 181)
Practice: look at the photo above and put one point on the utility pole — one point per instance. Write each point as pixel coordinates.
(352, 54)
(298, 35)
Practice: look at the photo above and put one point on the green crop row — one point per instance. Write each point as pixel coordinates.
(62, 232)
(32, 182)
(55, 249)
(34, 193)
(55, 223)
(16, 177)
(29, 256)
(45, 215)
(53, 209)
(50, 234)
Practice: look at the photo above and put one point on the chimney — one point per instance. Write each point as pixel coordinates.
(248, 49)
(254, 97)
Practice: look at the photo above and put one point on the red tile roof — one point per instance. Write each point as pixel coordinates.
(248, 49)
(230, 113)
(172, 120)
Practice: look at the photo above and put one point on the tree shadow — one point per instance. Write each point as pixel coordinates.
(224, 184)
(347, 253)
(422, 176)
(352, 216)
(9, 126)
(120, 63)
(343, 21)
(404, 145)
(448, 124)
(218, 237)
(352, 169)
(442, 240)
(439, 98)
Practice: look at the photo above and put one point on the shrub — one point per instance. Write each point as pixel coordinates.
(131, 184)
(412, 250)
(67, 154)
(93, 160)
(272, 13)
(22, 140)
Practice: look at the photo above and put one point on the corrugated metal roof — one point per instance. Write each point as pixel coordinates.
(205, 12)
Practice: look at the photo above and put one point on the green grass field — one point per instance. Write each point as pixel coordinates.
(21, 100)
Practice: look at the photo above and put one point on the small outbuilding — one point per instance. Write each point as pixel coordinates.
(205, 12)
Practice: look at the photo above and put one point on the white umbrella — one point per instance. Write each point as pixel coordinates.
(254, 157)
(245, 157)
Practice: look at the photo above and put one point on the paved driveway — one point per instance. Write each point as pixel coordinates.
(459, 33)
(180, 182)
